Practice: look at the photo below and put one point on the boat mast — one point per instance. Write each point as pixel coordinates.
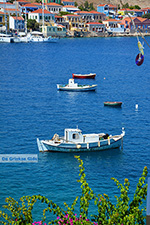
(43, 16)
(25, 21)
(16, 17)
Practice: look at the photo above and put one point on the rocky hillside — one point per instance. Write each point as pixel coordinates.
(141, 3)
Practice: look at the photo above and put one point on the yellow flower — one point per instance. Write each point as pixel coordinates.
(126, 180)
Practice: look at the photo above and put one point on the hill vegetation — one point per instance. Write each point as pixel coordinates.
(140, 3)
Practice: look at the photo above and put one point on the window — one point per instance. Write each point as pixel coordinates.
(0, 18)
(75, 136)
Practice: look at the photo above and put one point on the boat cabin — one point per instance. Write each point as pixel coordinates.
(75, 135)
(72, 84)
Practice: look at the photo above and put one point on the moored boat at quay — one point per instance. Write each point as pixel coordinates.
(74, 141)
(5, 38)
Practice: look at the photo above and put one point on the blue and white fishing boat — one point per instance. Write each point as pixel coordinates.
(74, 141)
(75, 87)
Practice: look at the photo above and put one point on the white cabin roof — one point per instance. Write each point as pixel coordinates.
(73, 130)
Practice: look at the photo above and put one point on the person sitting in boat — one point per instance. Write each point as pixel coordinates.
(55, 138)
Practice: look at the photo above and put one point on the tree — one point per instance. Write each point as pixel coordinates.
(64, 13)
(81, 7)
(91, 7)
(86, 5)
(32, 24)
(76, 4)
(147, 15)
(137, 7)
(125, 5)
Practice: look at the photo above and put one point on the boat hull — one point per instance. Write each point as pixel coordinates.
(81, 147)
(45, 40)
(84, 76)
(6, 39)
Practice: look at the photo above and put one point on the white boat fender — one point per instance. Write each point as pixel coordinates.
(78, 146)
(87, 145)
(99, 144)
(108, 141)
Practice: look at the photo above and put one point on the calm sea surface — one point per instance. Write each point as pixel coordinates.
(31, 107)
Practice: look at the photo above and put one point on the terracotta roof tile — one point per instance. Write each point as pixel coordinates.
(30, 5)
(53, 4)
(41, 11)
(18, 18)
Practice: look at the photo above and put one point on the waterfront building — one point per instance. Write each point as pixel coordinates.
(108, 10)
(53, 7)
(4, 21)
(30, 7)
(140, 23)
(38, 16)
(95, 27)
(132, 12)
(75, 22)
(92, 16)
(60, 20)
(55, 30)
(114, 26)
(16, 23)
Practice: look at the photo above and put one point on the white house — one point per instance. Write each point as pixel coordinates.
(53, 7)
(16, 23)
(113, 25)
(37, 15)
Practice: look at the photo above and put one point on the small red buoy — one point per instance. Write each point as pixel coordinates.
(139, 59)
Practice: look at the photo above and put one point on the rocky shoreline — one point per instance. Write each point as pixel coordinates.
(74, 34)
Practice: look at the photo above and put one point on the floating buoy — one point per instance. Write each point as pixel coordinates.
(139, 59)
(104, 78)
(136, 106)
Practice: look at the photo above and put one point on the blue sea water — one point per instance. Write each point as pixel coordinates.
(31, 107)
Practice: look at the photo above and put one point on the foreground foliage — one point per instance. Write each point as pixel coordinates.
(125, 212)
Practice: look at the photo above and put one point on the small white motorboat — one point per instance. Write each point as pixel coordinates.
(6, 38)
(37, 36)
(74, 141)
(75, 87)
